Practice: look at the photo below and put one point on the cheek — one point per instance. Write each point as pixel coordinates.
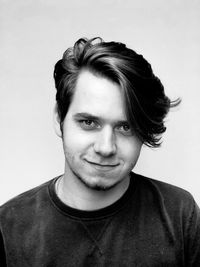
(130, 150)
(76, 141)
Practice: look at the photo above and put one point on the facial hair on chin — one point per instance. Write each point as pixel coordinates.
(96, 186)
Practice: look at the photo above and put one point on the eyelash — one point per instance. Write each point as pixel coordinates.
(94, 125)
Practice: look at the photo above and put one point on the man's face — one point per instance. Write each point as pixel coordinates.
(100, 148)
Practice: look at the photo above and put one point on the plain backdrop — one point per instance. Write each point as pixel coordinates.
(33, 36)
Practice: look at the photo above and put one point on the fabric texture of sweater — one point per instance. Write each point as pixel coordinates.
(152, 224)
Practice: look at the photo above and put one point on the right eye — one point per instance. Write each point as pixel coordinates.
(88, 124)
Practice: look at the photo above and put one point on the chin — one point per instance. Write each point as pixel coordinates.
(99, 184)
(101, 187)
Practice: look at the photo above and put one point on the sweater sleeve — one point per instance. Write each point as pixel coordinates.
(193, 238)
(2, 252)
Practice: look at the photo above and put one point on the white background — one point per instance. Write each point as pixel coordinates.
(33, 36)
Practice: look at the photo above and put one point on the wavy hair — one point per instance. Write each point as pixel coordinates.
(145, 100)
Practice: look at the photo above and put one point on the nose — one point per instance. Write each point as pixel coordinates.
(105, 144)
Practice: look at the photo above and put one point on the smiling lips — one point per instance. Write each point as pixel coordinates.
(103, 166)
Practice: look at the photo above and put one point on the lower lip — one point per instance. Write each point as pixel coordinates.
(102, 167)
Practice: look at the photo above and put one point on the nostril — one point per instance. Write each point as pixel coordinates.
(105, 149)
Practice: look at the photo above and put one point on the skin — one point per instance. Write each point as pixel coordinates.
(100, 147)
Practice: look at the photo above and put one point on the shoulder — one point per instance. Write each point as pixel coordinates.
(173, 204)
(165, 189)
(177, 211)
(19, 205)
(170, 197)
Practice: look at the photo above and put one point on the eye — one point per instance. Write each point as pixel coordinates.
(125, 129)
(88, 124)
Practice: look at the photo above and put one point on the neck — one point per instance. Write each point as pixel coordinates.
(76, 195)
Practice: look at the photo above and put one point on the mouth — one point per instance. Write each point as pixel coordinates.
(102, 166)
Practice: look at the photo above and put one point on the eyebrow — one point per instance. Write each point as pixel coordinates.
(89, 116)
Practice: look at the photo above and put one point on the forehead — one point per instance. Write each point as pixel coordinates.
(98, 96)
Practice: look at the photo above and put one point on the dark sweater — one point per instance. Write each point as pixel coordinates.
(152, 224)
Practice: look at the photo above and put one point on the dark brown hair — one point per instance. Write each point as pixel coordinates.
(145, 100)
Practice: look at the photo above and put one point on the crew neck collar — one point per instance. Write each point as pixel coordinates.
(94, 214)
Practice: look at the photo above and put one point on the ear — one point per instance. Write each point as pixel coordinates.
(56, 121)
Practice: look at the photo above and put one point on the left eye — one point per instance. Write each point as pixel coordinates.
(125, 129)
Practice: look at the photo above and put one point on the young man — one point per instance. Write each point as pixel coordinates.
(99, 212)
